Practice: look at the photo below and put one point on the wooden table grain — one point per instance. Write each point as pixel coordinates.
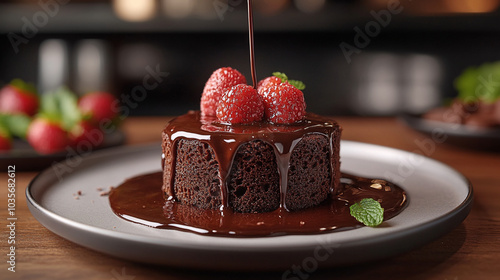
(470, 251)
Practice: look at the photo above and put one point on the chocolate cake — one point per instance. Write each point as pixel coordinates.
(246, 162)
(250, 168)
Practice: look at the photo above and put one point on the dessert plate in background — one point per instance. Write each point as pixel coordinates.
(25, 158)
(440, 198)
(460, 135)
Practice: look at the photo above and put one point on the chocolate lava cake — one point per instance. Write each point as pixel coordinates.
(250, 168)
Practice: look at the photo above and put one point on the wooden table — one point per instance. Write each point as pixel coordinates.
(470, 251)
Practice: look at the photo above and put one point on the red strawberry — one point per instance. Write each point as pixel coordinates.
(268, 82)
(99, 106)
(47, 136)
(5, 144)
(219, 81)
(19, 97)
(5, 139)
(84, 132)
(283, 103)
(496, 114)
(240, 104)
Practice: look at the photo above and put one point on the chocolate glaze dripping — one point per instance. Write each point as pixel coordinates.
(251, 42)
(225, 161)
(225, 140)
(130, 200)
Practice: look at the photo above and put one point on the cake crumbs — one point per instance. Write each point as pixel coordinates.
(106, 193)
(77, 195)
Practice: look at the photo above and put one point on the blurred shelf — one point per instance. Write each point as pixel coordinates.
(99, 17)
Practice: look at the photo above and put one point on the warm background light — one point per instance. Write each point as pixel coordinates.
(440, 7)
(270, 7)
(309, 6)
(135, 10)
(472, 6)
(178, 8)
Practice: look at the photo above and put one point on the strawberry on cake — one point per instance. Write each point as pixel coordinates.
(249, 149)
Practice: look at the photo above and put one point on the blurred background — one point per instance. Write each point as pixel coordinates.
(358, 57)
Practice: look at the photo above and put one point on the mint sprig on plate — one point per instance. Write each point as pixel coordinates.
(368, 211)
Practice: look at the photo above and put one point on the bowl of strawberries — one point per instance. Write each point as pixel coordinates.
(37, 130)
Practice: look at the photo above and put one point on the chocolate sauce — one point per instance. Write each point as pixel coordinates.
(150, 199)
(225, 140)
(140, 200)
(251, 43)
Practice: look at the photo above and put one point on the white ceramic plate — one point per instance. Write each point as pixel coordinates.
(439, 199)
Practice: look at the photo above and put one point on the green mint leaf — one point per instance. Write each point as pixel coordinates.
(479, 83)
(298, 84)
(466, 84)
(368, 211)
(488, 82)
(280, 75)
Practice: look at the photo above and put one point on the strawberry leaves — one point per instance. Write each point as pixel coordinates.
(284, 78)
(15, 124)
(61, 105)
(24, 86)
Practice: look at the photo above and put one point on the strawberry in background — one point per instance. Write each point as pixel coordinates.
(5, 138)
(53, 121)
(61, 124)
(85, 131)
(47, 136)
(98, 106)
(19, 97)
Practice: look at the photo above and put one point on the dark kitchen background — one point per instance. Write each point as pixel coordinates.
(367, 57)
